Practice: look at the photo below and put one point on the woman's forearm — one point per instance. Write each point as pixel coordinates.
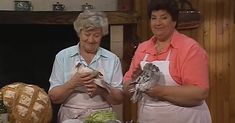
(114, 96)
(186, 95)
(60, 93)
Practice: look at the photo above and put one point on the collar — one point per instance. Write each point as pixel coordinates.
(176, 37)
(76, 52)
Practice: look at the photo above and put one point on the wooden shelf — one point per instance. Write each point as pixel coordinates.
(58, 17)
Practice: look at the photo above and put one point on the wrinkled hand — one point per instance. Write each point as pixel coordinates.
(89, 80)
(91, 87)
(84, 79)
(136, 73)
(153, 92)
(78, 79)
(150, 92)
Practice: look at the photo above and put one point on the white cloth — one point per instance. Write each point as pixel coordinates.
(68, 112)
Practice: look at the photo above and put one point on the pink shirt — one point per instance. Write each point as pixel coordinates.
(188, 61)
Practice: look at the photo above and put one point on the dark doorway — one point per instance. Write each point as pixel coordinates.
(27, 52)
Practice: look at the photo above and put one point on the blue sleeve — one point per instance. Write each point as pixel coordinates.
(57, 77)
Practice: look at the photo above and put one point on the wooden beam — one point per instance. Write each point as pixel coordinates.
(58, 17)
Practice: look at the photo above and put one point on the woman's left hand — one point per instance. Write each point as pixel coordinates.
(90, 85)
(151, 92)
(91, 89)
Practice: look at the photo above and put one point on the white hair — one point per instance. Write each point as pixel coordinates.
(89, 20)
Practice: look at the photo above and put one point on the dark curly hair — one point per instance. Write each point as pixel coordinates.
(171, 6)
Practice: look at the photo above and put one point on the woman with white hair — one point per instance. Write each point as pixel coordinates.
(77, 90)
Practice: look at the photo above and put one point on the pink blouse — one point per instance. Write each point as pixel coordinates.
(188, 61)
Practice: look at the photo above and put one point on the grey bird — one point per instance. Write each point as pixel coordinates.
(146, 80)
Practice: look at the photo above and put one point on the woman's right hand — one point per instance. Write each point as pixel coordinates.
(79, 79)
(129, 84)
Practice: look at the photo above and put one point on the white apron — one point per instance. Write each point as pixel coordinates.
(79, 106)
(154, 111)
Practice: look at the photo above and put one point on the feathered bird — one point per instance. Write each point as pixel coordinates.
(81, 68)
(147, 79)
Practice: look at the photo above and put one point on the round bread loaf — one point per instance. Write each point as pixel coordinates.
(27, 103)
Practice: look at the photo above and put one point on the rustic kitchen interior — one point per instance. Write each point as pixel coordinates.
(29, 60)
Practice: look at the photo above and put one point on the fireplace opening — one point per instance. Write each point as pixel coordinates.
(27, 52)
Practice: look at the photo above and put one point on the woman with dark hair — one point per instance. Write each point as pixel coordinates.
(180, 92)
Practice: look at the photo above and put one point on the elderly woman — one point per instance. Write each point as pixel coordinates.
(77, 91)
(180, 92)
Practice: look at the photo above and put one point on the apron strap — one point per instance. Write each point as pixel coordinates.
(145, 57)
(168, 55)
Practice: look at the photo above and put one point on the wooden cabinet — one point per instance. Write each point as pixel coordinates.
(125, 5)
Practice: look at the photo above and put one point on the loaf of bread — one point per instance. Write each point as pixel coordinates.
(27, 103)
